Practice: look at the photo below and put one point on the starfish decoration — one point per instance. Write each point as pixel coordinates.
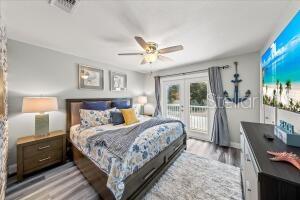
(287, 157)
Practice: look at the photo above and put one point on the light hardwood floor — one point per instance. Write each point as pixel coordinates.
(209, 150)
(66, 182)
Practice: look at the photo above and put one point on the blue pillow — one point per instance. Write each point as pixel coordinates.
(117, 118)
(121, 104)
(96, 105)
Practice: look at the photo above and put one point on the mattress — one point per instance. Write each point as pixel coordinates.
(150, 143)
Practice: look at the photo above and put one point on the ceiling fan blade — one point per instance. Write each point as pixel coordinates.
(171, 49)
(164, 58)
(141, 42)
(143, 61)
(130, 54)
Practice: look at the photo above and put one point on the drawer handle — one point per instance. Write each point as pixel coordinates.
(149, 174)
(44, 159)
(44, 147)
(176, 148)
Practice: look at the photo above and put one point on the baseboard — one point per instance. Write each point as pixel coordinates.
(235, 145)
(232, 144)
(12, 169)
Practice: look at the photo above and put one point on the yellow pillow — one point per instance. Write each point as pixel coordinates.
(129, 116)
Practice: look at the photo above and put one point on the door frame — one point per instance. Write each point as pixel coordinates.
(164, 85)
(200, 75)
(196, 134)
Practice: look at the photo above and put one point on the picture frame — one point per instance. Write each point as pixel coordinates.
(118, 81)
(90, 77)
(2, 94)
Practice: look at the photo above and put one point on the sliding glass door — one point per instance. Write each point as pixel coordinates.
(186, 99)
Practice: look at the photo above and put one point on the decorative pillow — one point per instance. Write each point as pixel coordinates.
(90, 118)
(117, 118)
(121, 104)
(96, 105)
(129, 116)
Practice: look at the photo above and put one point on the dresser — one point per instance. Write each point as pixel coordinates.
(262, 178)
(38, 152)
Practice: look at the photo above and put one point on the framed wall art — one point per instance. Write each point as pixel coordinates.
(118, 81)
(90, 77)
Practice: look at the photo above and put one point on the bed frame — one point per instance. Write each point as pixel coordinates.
(137, 184)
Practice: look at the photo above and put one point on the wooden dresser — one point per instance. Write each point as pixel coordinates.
(262, 178)
(35, 153)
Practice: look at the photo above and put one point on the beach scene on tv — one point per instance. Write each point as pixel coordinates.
(281, 69)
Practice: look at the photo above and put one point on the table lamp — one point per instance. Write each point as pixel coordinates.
(142, 100)
(40, 105)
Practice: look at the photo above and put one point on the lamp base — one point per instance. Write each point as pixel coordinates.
(41, 124)
(142, 110)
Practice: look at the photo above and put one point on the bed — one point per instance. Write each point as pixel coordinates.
(129, 178)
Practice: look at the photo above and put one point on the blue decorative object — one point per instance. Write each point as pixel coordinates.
(121, 104)
(96, 105)
(236, 99)
(286, 126)
(285, 132)
(117, 118)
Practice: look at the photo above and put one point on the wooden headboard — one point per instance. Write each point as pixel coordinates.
(73, 106)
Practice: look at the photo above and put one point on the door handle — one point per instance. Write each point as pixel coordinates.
(248, 186)
(247, 157)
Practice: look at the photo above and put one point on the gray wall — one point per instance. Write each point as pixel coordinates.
(268, 112)
(249, 72)
(35, 71)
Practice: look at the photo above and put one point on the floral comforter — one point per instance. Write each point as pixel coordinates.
(145, 147)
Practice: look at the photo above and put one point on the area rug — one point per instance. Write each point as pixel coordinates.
(195, 177)
(191, 177)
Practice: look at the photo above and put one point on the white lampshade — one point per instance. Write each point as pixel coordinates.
(142, 100)
(39, 104)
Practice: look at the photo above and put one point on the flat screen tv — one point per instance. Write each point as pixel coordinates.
(281, 69)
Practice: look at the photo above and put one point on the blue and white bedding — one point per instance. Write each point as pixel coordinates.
(149, 143)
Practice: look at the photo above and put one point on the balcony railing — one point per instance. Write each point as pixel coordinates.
(197, 116)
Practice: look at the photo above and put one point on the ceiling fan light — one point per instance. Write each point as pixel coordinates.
(151, 57)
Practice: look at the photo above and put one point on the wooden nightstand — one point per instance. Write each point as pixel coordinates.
(37, 152)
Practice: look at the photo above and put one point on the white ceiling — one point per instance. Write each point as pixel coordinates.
(99, 30)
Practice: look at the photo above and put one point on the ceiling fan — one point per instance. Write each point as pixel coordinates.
(152, 53)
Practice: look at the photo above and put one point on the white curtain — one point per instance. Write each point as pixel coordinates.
(3, 114)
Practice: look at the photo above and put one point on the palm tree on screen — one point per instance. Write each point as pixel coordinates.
(277, 85)
(280, 90)
(288, 87)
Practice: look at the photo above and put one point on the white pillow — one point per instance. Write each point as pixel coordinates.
(91, 118)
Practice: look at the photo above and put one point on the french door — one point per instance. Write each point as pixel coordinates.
(185, 99)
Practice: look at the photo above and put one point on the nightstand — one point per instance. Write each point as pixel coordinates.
(37, 152)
